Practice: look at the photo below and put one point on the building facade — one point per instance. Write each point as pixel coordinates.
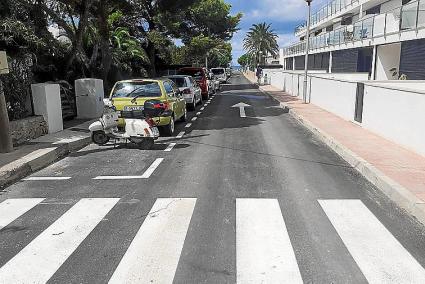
(383, 38)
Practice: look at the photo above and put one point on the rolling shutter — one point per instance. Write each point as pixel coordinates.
(412, 59)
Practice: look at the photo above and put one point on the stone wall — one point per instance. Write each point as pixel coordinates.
(28, 128)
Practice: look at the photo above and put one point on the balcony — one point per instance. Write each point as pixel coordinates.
(330, 9)
(410, 16)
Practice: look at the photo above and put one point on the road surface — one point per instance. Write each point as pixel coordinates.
(244, 195)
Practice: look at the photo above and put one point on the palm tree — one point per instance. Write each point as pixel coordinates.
(261, 39)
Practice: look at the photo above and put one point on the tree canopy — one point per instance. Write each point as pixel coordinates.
(259, 41)
(52, 40)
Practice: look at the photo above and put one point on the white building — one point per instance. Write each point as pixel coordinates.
(383, 38)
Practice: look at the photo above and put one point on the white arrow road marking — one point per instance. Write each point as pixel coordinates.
(10, 209)
(41, 258)
(145, 175)
(170, 147)
(379, 255)
(154, 253)
(264, 253)
(241, 107)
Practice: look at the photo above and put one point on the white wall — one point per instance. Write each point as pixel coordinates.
(396, 115)
(335, 96)
(390, 5)
(387, 57)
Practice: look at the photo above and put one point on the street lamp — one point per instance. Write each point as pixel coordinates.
(307, 47)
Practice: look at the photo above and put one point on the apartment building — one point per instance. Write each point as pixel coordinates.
(383, 38)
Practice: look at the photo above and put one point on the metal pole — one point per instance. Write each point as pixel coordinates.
(307, 47)
(6, 145)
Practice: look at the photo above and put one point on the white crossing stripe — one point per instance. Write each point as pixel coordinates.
(152, 168)
(194, 118)
(170, 147)
(40, 259)
(145, 175)
(188, 125)
(198, 113)
(154, 253)
(202, 108)
(180, 135)
(45, 178)
(10, 209)
(264, 253)
(381, 258)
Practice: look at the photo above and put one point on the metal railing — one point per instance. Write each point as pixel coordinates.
(410, 16)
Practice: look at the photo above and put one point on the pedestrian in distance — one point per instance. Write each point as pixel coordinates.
(259, 73)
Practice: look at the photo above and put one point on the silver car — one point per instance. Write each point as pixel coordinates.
(189, 88)
(220, 74)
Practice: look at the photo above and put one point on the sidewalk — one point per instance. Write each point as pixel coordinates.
(41, 152)
(398, 172)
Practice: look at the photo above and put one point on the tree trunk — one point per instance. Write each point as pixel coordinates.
(105, 49)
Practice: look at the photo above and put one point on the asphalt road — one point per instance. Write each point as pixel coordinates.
(253, 199)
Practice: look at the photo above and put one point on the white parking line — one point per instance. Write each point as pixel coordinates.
(180, 135)
(198, 113)
(202, 108)
(188, 125)
(145, 175)
(194, 118)
(46, 178)
(205, 104)
(170, 147)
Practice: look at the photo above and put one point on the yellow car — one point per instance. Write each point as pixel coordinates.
(131, 95)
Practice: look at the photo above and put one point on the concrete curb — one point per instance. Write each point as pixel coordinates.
(37, 160)
(396, 192)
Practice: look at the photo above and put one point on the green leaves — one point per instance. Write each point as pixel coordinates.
(261, 39)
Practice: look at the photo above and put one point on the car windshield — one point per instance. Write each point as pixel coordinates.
(217, 71)
(197, 74)
(180, 81)
(136, 89)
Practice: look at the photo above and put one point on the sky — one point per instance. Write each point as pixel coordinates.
(283, 15)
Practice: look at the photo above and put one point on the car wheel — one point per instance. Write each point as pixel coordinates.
(169, 128)
(192, 105)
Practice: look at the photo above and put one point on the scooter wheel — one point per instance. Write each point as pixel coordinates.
(99, 137)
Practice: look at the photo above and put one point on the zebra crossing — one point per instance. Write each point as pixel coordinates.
(264, 251)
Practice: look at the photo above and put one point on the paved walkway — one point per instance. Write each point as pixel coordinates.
(399, 166)
(40, 152)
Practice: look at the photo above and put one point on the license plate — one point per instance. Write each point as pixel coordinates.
(130, 108)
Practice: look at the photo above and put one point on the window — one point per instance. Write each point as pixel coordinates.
(180, 81)
(168, 87)
(139, 89)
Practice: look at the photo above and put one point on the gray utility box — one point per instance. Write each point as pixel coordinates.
(89, 97)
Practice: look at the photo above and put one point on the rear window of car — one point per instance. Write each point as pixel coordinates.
(139, 89)
(217, 71)
(180, 82)
(197, 74)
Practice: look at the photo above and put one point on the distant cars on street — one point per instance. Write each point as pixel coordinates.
(201, 77)
(220, 74)
(190, 89)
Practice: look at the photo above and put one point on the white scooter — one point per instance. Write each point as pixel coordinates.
(139, 125)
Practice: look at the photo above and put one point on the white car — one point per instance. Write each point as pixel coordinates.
(220, 74)
(189, 88)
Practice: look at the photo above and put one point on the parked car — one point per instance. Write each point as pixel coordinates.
(201, 77)
(131, 95)
(220, 73)
(189, 88)
(214, 82)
